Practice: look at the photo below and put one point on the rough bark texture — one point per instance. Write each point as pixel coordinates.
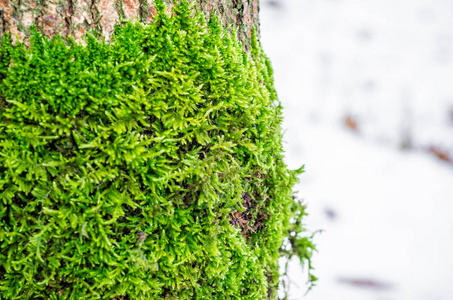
(74, 18)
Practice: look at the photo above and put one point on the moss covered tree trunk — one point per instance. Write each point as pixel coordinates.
(74, 18)
(141, 162)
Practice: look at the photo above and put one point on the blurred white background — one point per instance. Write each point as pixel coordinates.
(367, 87)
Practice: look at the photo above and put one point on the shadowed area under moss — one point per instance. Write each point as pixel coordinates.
(149, 168)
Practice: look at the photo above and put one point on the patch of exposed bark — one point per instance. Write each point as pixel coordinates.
(74, 18)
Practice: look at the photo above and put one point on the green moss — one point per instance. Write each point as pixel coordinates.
(150, 167)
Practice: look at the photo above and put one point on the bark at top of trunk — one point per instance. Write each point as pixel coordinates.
(74, 18)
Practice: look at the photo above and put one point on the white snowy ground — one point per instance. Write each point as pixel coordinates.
(387, 214)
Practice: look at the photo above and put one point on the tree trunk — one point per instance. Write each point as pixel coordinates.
(74, 18)
(100, 120)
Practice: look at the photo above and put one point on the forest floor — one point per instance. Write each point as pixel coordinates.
(368, 102)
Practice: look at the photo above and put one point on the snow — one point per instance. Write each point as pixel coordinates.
(387, 213)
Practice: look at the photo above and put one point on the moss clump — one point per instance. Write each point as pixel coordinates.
(147, 168)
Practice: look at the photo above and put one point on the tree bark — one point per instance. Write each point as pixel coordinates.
(74, 18)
